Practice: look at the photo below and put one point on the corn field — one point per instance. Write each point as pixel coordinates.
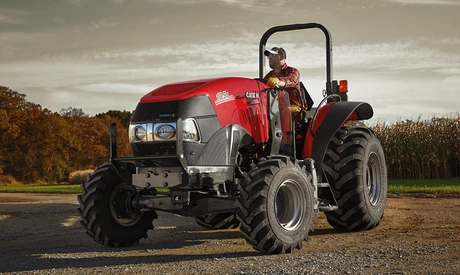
(422, 149)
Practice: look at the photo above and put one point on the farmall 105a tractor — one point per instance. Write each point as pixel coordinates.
(210, 149)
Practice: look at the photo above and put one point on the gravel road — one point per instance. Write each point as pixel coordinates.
(41, 234)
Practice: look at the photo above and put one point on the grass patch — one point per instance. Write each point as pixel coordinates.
(64, 188)
(431, 186)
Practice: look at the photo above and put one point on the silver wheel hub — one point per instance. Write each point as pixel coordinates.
(373, 178)
(290, 205)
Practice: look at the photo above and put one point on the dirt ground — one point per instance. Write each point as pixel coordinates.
(41, 234)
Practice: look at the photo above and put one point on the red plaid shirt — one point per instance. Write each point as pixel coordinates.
(291, 77)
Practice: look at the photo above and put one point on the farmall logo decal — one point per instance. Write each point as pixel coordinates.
(222, 97)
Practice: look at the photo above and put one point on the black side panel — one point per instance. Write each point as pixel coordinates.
(216, 151)
(223, 147)
(334, 119)
(197, 106)
(208, 127)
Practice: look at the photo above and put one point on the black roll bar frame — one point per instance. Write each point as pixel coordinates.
(271, 31)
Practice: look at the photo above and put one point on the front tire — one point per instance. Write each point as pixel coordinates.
(355, 168)
(105, 211)
(276, 205)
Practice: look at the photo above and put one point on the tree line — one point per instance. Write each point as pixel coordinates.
(39, 145)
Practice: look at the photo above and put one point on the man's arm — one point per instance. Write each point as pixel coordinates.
(290, 79)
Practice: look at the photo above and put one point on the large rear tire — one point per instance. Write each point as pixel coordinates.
(218, 221)
(355, 168)
(276, 205)
(106, 215)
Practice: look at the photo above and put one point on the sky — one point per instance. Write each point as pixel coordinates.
(400, 56)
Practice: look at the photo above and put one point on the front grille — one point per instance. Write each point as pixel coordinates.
(150, 149)
(165, 153)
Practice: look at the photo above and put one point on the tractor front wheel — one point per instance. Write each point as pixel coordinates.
(276, 205)
(105, 210)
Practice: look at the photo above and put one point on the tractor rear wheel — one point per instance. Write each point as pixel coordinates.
(105, 211)
(218, 221)
(276, 205)
(355, 168)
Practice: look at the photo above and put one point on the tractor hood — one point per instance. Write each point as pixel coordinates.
(232, 100)
(229, 87)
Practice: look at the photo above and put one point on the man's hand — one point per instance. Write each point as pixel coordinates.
(273, 81)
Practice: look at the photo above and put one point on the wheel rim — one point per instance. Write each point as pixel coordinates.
(119, 208)
(290, 205)
(373, 178)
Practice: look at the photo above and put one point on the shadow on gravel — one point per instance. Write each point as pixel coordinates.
(49, 235)
(35, 263)
(326, 231)
(39, 236)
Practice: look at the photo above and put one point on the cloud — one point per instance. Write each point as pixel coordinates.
(229, 2)
(447, 41)
(451, 71)
(155, 21)
(404, 55)
(215, 58)
(103, 23)
(424, 2)
(259, 6)
(57, 19)
(395, 97)
(113, 87)
(77, 3)
(91, 103)
(13, 17)
(232, 24)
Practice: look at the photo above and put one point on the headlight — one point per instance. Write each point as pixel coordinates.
(190, 130)
(137, 132)
(164, 131)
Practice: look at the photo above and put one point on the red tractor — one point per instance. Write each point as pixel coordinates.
(210, 149)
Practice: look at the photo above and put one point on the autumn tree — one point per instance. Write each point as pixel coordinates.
(124, 117)
(39, 145)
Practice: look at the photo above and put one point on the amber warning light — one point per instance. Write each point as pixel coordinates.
(343, 86)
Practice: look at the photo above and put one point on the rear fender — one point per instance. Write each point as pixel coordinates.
(328, 120)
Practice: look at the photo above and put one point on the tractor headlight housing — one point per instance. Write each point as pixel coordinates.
(138, 132)
(164, 131)
(190, 130)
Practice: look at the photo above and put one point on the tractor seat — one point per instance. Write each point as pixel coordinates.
(306, 97)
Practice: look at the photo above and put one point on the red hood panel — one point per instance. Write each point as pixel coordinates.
(236, 101)
(187, 89)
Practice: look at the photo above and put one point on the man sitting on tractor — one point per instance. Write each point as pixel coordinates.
(280, 76)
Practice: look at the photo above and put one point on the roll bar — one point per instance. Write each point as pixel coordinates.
(268, 33)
